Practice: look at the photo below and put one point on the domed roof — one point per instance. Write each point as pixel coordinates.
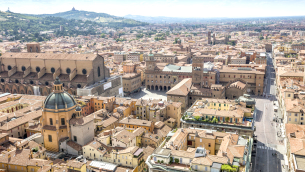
(60, 99)
(78, 108)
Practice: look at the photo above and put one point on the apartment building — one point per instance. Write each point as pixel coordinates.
(156, 110)
(133, 56)
(201, 150)
(225, 115)
(131, 83)
(137, 123)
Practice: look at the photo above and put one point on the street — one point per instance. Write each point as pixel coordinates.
(269, 148)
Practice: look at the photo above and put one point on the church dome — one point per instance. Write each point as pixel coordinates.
(60, 100)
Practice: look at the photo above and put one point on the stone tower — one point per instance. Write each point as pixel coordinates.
(209, 38)
(214, 38)
(33, 47)
(151, 62)
(197, 71)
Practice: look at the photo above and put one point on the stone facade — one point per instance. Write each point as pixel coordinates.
(33, 73)
(131, 83)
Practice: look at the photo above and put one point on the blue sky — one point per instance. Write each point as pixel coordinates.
(169, 8)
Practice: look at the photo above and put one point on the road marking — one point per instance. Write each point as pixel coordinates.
(265, 147)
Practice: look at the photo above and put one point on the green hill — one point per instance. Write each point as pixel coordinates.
(105, 19)
(28, 27)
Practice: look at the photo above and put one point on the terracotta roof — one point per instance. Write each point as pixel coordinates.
(124, 136)
(82, 120)
(109, 121)
(75, 164)
(131, 150)
(50, 56)
(182, 88)
(297, 146)
(22, 120)
(133, 121)
(74, 145)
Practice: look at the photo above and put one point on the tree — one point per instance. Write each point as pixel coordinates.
(79, 46)
(227, 119)
(197, 118)
(176, 160)
(176, 39)
(215, 120)
(36, 35)
(40, 39)
(139, 35)
(103, 35)
(171, 160)
(261, 38)
(1, 40)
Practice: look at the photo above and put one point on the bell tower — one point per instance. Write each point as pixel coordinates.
(151, 62)
(197, 71)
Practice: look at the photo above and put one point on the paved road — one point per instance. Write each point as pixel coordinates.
(268, 143)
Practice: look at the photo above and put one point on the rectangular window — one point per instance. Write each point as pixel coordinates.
(63, 121)
(51, 121)
(50, 138)
(295, 120)
(289, 119)
(200, 140)
(75, 138)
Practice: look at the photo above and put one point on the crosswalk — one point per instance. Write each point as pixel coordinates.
(265, 147)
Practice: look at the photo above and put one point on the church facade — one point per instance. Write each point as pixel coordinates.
(33, 72)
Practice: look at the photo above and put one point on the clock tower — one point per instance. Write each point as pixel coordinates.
(151, 62)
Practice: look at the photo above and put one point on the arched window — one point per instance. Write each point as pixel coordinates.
(84, 71)
(98, 72)
(68, 70)
(52, 69)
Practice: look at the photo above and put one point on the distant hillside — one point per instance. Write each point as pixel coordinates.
(27, 27)
(103, 18)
